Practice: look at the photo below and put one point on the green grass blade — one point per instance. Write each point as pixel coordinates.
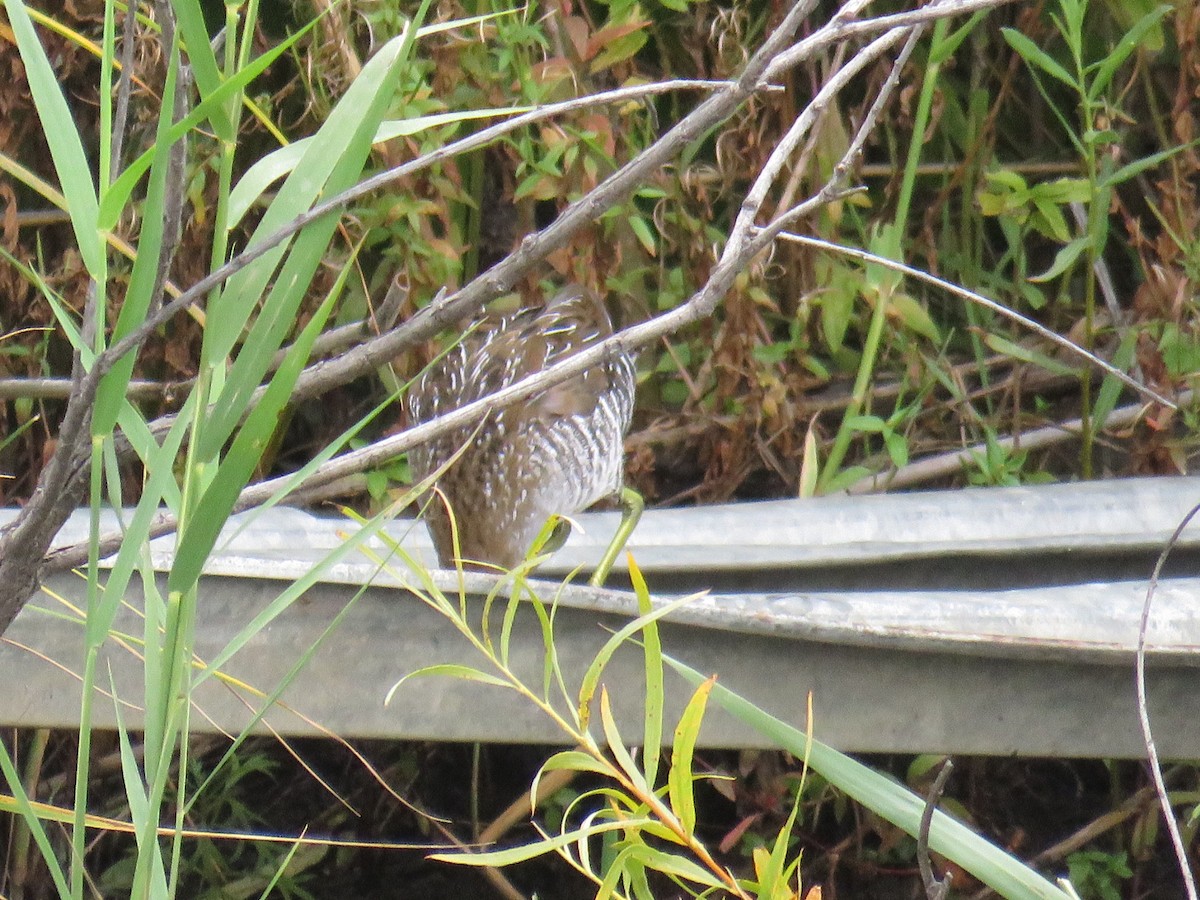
(333, 163)
(145, 267)
(197, 541)
(32, 822)
(66, 147)
(190, 19)
(892, 801)
(112, 203)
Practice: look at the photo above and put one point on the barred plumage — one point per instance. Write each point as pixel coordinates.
(558, 452)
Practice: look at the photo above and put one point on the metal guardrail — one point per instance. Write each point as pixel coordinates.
(990, 621)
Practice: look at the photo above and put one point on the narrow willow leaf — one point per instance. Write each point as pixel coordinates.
(681, 778)
(676, 865)
(535, 849)
(652, 727)
(577, 761)
(591, 678)
(616, 746)
(451, 670)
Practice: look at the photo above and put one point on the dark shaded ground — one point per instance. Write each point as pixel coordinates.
(1026, 805)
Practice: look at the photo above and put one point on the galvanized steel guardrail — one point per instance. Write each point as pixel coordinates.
(991, 621)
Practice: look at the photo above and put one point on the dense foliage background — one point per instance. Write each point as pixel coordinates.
(1041, 153)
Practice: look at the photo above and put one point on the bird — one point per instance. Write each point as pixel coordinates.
(554, 454)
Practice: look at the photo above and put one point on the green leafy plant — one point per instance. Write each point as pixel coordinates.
(1089, 81)
(1097, 875)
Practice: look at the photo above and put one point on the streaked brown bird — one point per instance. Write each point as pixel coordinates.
(555, 453)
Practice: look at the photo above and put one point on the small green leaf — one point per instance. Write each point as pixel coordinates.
(645, 234)
(1130, 42)
(847, 477)
(915, 317)
(1013, 350)
(868, 424)
(1035, 56)
(1064, 259)
(1050, 221)
(897, 448)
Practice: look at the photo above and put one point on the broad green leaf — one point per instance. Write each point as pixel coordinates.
(333, 163)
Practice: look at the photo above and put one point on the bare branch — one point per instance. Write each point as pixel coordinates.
(934, 889)
(124, 90)
(1160, 786)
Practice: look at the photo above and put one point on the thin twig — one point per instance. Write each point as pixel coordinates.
(934, 889)
(124, 90)
(1160, 786)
